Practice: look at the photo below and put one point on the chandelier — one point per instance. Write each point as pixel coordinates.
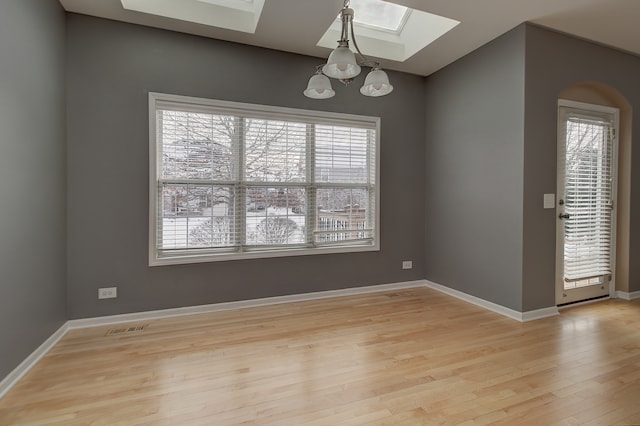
(343, 66)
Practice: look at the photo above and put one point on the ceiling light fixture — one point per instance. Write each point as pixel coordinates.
(344, 66)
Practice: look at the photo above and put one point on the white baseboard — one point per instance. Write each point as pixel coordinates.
(537, 314)
(29, 362)
(8, 382)
(242, 304)
(634, 295)
(494, 307)
(12, 378)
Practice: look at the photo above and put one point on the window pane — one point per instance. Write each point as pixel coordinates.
(275, 151)
(342, 155)
(276, 216)
(379, 14)
(197, 146)
(343, 215)
(588, 186)
(196, 216)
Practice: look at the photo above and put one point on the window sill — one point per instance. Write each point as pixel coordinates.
(154, 260)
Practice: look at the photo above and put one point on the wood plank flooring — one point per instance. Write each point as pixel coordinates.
(413, 357)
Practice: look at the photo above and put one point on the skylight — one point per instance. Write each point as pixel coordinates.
(390, 31)
(379, 14)
(237, 15)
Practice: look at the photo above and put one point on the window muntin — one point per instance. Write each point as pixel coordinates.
(232, 181)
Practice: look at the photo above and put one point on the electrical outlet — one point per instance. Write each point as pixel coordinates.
(407, 264)
(108, 293)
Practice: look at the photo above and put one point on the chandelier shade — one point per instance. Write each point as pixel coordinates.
(319, 87)
(376, 84)
(341, 64)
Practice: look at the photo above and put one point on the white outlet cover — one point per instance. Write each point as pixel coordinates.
(407, 264)
(108, 293)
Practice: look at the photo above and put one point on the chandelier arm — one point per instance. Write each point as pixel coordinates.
(365, 60)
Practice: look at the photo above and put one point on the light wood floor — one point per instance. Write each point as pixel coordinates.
(408, 357)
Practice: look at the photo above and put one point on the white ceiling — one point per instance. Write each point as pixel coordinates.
(297, 25)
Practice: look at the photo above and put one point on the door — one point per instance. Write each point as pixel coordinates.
(585, 205)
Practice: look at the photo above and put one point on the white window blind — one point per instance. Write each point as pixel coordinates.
(344, 192)
(588, 197)
(232, 181)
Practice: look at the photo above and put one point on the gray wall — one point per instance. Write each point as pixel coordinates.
(554, 62)
(32, 177)
(474, 172)
(111, 68)
(491, 155)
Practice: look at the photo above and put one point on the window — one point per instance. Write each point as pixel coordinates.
(237, 181)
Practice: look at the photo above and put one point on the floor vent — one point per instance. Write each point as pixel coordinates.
(126, 330)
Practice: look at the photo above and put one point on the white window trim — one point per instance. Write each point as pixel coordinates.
(154, 168)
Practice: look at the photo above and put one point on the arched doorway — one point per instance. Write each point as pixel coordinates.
(604, 98)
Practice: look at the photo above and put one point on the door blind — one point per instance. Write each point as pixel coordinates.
(588, 176)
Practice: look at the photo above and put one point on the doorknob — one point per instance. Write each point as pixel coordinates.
(564, 215)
